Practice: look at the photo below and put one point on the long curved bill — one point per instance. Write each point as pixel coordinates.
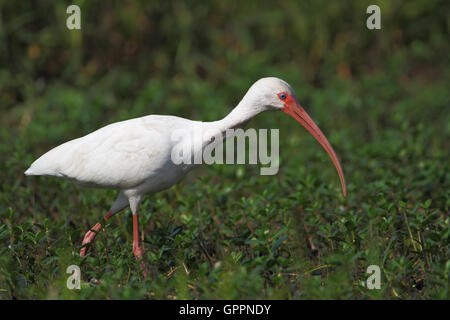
(295, 110)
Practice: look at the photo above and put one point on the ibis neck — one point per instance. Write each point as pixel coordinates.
(238, 117)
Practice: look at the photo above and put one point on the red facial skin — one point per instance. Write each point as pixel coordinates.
(295, 110)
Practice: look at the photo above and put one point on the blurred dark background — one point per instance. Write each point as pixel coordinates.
(155, 54)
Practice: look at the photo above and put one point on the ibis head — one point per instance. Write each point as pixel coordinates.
(276, 94)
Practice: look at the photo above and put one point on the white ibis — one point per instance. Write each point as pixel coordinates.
(134, 156)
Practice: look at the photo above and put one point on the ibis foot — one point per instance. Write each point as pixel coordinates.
(139, 255)
(89, 237)
(91, 234)
(138, 251)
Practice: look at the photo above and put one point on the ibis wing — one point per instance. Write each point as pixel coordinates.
(120, 155)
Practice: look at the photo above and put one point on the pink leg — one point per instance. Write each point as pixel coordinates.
(90, 235)
(138, 251)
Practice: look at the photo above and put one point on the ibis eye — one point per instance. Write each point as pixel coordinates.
(282, 96)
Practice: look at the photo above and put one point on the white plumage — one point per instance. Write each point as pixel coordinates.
(134, 156)
(123, 155)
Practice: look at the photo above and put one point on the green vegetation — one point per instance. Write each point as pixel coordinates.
(225, 232)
